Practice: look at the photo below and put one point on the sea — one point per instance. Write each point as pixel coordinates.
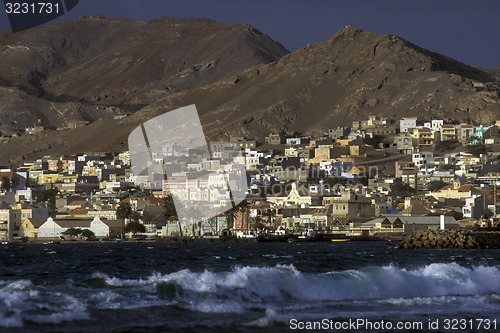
(247, 287)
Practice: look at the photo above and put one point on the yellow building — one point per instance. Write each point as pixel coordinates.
(448, 132)
(455, 191)
(322, 154)
(49, 178)
(423, 136)
(29, 227)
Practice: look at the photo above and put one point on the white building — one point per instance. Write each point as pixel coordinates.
(406, 123)
(252, 158)
(423, 160)
(54, 228)
(474, 206)
(434, 125)
(293, 141)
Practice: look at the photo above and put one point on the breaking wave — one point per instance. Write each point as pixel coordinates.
(21, 301)
(245, 287)
(286, 282)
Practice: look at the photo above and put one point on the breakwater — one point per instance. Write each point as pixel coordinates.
(461, 239)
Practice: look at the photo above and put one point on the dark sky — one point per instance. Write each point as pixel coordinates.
(467, 30)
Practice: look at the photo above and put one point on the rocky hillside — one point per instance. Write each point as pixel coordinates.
(348, 77)
(353, 74)
(125, 64)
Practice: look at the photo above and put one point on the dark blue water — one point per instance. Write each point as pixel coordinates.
(153, 287)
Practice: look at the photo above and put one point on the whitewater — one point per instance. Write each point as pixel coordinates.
(149, 287)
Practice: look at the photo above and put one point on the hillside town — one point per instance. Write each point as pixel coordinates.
(378, 176)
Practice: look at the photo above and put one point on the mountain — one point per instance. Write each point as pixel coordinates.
(348, 77)
(125, 64)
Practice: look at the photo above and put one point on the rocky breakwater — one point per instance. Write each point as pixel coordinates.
(460, 239)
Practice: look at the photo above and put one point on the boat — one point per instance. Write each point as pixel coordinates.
(341, 240)
(51, 242)
(306, 236)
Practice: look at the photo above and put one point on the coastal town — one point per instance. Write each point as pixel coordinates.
(377, 177)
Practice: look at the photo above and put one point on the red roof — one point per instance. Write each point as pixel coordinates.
(10, 175)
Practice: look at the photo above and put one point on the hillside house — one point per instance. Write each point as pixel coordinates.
(340, 132)
(350, 205)
(405, 124)
(275, 139)
(449, 132)
(475, 206)
(17, 182)
(423, 138)
(465, 133)
(456, 192)
(403, 142)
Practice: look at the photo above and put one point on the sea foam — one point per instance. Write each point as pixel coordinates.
(246, 288)
(285, 282)
(21, 301)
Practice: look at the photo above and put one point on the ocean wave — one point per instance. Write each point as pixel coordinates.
(270, 317)
(13, 297)
(109, 300)
(441, 300)
(276, 290)
(21, 301)
(67, 308)
(285, 282)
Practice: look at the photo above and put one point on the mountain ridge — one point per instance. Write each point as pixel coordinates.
(328, 69)
(120, 63)
(70, 52)
(347, 77)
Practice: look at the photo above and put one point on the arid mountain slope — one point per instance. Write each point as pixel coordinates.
(346, 78)
(125, 61)
(350, 76)
(96, 68)
(127, 64)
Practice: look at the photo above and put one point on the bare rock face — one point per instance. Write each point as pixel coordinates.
(118, 63)
(353, 74)
(241, 81)
(115, 61)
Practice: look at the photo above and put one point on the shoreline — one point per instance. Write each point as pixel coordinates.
(182, 240)
(466, 239)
